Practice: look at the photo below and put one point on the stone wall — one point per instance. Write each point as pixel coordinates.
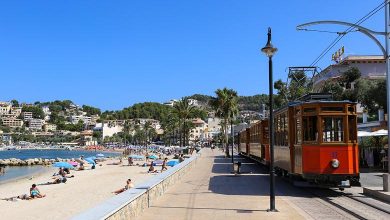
(133, 202)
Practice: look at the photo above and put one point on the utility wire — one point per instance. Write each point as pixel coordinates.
(348, 30)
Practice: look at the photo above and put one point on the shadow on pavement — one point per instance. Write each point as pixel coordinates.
(207, 208)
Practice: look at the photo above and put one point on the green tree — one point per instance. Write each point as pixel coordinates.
(333, 88)
(36, 111)
(91, 110)
(183, 111)
(225, 106)
(298, 86)
(14, 103)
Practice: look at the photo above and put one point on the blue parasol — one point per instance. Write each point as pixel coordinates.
(90, 160)
(63, 165)
(136, 156)
(172, 163)
(153, 157)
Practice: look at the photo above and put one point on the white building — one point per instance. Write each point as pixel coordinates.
(12, 122)
(110, 127)
(5, 108)
(16, 111)
(36, 124)
(214, 127)
(65, 132)
(370, 67)
(153, 123)
(200, 131)
(50, 127)
(74, 119)
(46, 112)
(27, 116)
(193, 102)
(171, 102)
(9, 115)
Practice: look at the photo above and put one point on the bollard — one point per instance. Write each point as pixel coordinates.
(386, 182)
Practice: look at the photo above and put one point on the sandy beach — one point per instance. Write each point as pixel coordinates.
(87, 189)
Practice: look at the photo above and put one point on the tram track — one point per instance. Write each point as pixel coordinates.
(325, 203)
(345, 204)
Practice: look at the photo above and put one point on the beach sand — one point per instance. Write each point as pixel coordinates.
(87, 189)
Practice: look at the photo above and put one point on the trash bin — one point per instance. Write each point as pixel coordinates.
(237, 167)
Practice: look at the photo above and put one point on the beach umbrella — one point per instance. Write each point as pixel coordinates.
(63, 165)
(136, 157)
(92, 157)
(157, 163)
(172, 163)
(99, 155)
(90, 160)
(153, 157)
(73, 163)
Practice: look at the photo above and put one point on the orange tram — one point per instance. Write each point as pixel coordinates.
(315, 141)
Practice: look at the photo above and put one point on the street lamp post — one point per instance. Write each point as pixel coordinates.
(269, 51)
(232, 133)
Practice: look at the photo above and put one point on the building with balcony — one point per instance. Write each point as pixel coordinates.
(5, 108)
(27, 116)
(12, 122)
(200, 131)
(36, 124)
(16, 111)
(50, 127)
(74, 119)
(370, 67)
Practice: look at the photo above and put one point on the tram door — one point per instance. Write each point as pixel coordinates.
(297, 141)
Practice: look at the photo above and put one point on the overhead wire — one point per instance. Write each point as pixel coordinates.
(348, 30)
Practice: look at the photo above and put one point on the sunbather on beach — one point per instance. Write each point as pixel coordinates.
(35, 193)
(14, 198)
(152, 169)
(129, 185)
(66, 174)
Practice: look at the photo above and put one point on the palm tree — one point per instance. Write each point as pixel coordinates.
(170, 127)
(226, 107)
(183, 111)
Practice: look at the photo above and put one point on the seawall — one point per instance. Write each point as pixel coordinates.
(133, 202)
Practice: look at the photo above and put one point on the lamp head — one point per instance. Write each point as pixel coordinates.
(269, 50)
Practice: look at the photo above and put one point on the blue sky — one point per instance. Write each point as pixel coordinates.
(112, 54)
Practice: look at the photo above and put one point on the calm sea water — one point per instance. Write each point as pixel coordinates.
(49, 154)
(12, 173)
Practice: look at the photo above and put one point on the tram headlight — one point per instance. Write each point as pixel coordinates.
(335, 163)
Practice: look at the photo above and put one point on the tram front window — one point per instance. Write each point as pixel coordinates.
(332, 129)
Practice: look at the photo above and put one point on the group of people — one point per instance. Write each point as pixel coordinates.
(163, 167)
(60, 177)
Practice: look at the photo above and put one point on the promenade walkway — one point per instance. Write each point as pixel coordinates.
(210, 191)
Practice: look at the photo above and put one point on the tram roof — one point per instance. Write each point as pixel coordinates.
(297, 103)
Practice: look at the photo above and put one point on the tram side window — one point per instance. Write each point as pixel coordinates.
(298, 139)
(352, 128)
(310, 132)
(332, 129)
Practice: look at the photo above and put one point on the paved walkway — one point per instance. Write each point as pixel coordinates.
(212, 192)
